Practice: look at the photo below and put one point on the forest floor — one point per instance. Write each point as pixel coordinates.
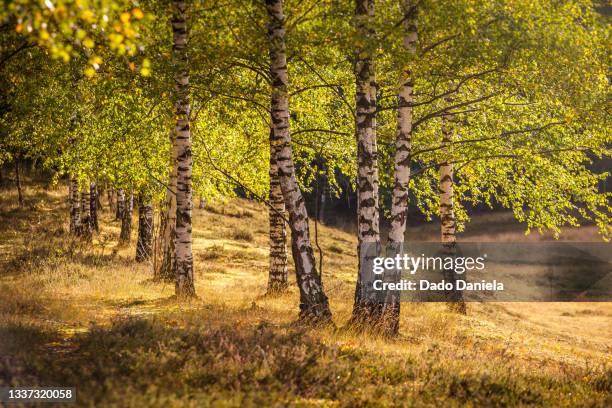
(89, 316)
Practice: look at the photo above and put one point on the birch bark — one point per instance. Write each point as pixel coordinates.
(278, 275)
(184, 201)
(368, 232)
(166, 271)
(75, 208)
(125, 236)
(144, 244)
(86, 211)
(93, 207)
(314, 306)
(120, 204)
(448, 224)
(399, 198)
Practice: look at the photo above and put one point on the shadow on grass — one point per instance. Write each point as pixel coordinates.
(150, 362)
(51, 252)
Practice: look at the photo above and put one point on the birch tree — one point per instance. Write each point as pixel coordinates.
(125, 235)
(166, 270)
(278, 274)
(448, 224)
(184, 197)
(399, 198)
(368, 232)
(86, 211)
(75, 207)
(144, 244)
(314, 306)
(93, 207)
(120, 207)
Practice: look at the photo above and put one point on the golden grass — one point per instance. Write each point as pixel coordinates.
(89, 308)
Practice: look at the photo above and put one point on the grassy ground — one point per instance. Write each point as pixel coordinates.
(87, 315)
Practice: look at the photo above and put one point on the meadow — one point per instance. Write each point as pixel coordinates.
(85, 314)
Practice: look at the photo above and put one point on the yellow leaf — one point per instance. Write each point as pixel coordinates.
(137, 13)
(88, 43)
(124, 17)
(90, 72)
(95, 60)
(87, 15)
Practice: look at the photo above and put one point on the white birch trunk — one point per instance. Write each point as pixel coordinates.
(110, 195)
(399, 198)
(125, 236)
(75, 208)
(368, 231)
(448, 224)
(314, 306)
(184, 201)
(85, 211)
(278, 275)
(144, 244)
(166, 270)
(93, 207)
(120, 204)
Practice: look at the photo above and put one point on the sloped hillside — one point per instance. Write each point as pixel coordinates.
(87, 315)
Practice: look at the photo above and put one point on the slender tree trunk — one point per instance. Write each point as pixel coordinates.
(125, 235)
(278, 276)
(18, 182)
(447, 213)
(110, 194)
(93, 207)
(86, 211)
(99, 195)
(144, 245)
(75, 208)
(166, 271)
(120, 204)
(202, 203)
(323, 190)
(366, 312)
(399, 199)
(184, 202)
(314, 306)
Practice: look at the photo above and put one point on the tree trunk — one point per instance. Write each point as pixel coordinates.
(447, 214)
(18, 182)
(125, 235)
(323, 191)
(166, 270)
(86, 211)
(144, 245)
(75, 208)
(202, 204)
(314, 306)
(120, 204)
(93, 207)
(99, 195)
(110, 194)
(278, 276)
(366, 311)
(184, 202)
(399, 199)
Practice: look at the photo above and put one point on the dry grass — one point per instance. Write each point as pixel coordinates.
(87, 315)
